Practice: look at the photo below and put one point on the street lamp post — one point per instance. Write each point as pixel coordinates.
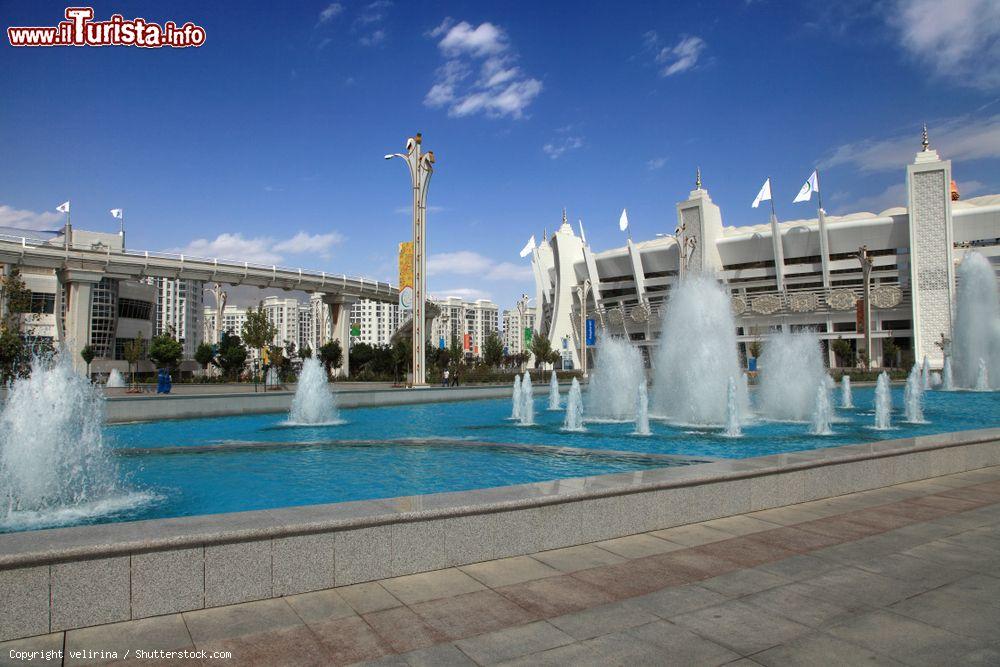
(522, 308)
(582, 291)
(866, 272)
(421, 167)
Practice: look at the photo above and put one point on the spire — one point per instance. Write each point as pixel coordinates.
(697, 178)
(925, 142)
(564, 215)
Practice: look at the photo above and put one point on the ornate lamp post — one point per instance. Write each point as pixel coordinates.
(421, 167)
(866, 272)
(582, 291)
(522, 308)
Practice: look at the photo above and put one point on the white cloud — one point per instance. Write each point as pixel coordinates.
(499, 89)
(957, 39)
(320, 244)
(25, 219)
(330, 12)
(470, 263)
(373, 39)
(555, 149)
(680, 57)
(261, 249)
(961, 138)
(895, 195)
(441, 28)
(466, 293)
(483, 40)
(656, 163)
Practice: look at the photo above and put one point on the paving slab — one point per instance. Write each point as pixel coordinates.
(494, 647)
(639, 546)
(415, 588)
(602, 620)
(367, 597)
(741, 627)
(507, 571)
(583, 557)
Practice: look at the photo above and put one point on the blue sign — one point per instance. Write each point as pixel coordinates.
(566, 343)
(752, 364)
(441, 343)
(591, 332)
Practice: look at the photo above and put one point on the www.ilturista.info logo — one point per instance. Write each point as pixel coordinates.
(79, 29)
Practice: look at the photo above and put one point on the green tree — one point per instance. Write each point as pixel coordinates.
(456, 353)
(204, 355)
(305, 352)
(331, 354)
(165, 351)
(401, 358)
(87, 354)
(257, 332)
(843, 351)
(134, 351)
(541, 347)
(493, 349)
(15, 355)
(889, 352)
(232, 355)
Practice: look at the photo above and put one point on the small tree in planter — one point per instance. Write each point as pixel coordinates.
(204, 355)
(332, 355)
(257, 332)
(87, 354)
(134, 352)
(165, 351)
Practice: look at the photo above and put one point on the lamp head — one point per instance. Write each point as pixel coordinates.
(388, 157)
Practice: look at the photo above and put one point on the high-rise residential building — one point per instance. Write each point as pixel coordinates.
(179, 310)
(233, 319)
(467, 322)
(515, 322)
(285, 315)
(376, 322)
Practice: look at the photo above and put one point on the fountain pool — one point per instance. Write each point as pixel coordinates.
(207, 466)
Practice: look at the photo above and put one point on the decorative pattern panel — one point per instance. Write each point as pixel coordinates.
(691, 219)
(931, 257)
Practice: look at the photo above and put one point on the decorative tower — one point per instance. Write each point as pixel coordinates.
(699, 223)
(932, 269)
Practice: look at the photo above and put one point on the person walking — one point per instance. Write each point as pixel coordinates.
(454, 379)
(444, 378)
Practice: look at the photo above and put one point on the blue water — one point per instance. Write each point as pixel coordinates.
(208, 466)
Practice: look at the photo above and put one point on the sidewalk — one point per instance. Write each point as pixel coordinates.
(908, 574)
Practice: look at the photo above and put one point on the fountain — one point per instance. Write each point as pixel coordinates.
(641, 410)
(883, 403)
(515, 399)
(574, 408)
(791, 369)
(733, 429)
(314, 403)
(976, 331)
(527, 401)
(846, 400)
(913, 409)
(115, 380)
(697, 356)
(54, 465)
(947, 378)
(822, 412)
(554, 392)
(271, 379)
(618, 371)
(983, 377)
(925, 374)
(935, 379)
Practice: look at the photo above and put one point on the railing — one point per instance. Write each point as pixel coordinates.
(106, 253)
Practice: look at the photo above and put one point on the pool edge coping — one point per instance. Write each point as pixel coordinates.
(56, 545)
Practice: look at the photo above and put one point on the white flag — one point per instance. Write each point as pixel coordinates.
(623, 221)
(808, 188)
(528, 247)
(583, 237)
(63, 207)
(117, 213)
(764, 194)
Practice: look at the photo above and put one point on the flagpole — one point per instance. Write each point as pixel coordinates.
(819, 195)
(773, 214)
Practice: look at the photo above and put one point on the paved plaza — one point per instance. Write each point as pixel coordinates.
(908, 574)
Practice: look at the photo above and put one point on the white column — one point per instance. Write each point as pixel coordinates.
(338, 309)
(932, 269)
(79, 289)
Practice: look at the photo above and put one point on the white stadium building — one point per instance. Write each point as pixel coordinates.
(789, 275)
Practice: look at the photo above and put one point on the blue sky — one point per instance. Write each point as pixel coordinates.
(266, 143)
